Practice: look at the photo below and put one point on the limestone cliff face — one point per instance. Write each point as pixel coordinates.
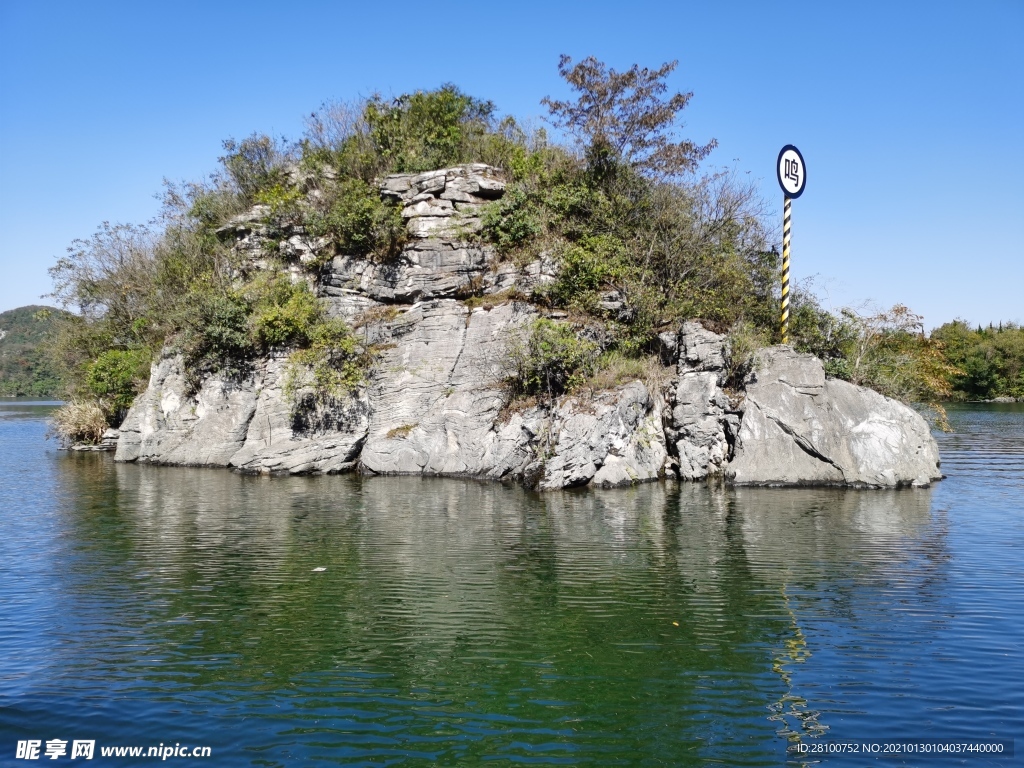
(243, 423)
(433, 403)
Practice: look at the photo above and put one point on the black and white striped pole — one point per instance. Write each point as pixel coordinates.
(792, 174)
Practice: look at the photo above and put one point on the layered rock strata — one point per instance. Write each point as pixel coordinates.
(434, 402)
(243, 422)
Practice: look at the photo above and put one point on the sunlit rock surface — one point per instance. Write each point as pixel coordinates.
(434, 402)
(801, 428)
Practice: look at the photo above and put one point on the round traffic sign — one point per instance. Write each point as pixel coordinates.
(792, 171)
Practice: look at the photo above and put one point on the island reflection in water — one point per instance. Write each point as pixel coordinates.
(463, 621)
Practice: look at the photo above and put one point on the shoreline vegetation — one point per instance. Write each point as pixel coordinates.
(641, 239)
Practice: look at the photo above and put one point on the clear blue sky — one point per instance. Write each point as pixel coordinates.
(910, 114)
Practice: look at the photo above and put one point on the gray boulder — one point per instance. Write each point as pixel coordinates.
(436, 398)
(801, 428)
(701, 425)
(445, 203)
(437, 389)
(167, 425)
(300, 434)
(701, 349)
(425, 269)
(440, 209)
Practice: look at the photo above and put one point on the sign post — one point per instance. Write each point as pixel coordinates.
(792, 175)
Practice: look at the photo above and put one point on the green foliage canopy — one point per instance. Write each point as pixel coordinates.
(426, 130)
(552, 359)
(990, 360)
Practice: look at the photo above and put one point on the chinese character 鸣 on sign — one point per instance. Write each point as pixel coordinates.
(793, 171)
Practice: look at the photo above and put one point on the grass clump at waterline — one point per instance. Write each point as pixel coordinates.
(80, 422)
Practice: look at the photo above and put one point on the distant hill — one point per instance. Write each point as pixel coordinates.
(24, 368)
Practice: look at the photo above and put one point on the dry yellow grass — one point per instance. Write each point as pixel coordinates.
(614, 370)
(79, 421)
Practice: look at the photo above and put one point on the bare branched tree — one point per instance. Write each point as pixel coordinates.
(111, 273)
(624, 117)
(335, 122)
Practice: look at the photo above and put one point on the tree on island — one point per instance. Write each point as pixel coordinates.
(622, 117)
(643, 239)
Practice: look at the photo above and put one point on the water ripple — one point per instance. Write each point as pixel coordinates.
(455, 622)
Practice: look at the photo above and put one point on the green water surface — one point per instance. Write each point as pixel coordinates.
(415, 622)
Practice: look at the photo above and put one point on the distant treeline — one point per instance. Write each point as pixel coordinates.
(26, 368)
(989, 361)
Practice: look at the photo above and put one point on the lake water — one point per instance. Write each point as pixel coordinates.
(464, 623)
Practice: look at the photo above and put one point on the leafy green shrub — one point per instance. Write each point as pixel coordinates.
(586, 268)
(821, 333)
(283, 312)
(838, 367)
(511, 221)
(227, 329)
(116, 377)
(420, 131)
(426, 130)
(744, 340)
(201, 209)
(215, 335)
(573, 201)
(359, 222)
(891, 354)
(331, 366)
(284, 202)
(551, 360)
(254, 164)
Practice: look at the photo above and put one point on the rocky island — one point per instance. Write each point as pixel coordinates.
(419, 287)
(434, 402)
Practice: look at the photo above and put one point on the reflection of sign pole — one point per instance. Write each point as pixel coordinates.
(792, 175)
